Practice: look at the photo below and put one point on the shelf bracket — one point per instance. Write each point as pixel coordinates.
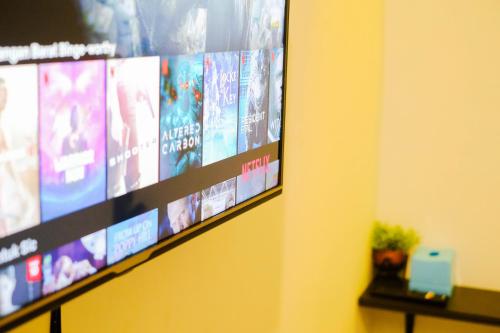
(409, 322)
(55, 321)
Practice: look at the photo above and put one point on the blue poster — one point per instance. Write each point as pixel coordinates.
(220, 114)
(181, 114)
(254, 100)
(132, 236)
(180, 215)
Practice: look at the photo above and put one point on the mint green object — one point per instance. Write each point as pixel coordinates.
(432, 270)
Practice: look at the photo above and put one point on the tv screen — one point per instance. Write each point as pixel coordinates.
(126, 128)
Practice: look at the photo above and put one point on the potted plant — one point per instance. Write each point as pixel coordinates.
(391, 244)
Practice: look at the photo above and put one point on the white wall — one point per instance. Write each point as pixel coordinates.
(440, 143)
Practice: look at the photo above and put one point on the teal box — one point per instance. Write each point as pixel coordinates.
(432, 270)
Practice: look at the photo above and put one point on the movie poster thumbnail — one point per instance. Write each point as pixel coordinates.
(72, 136)
(20, 284)
(133, 87)
(227, 25)
(173, 27)
(245, 25)
(132, 236)
(180, 215)
(275, 95)
(254, 100)
(181, 114)
(73, 262)
(272, 175)
(218, 198)
(250, 183)
(220, 106)
(19, 182)
(151, 27)
(266, 24)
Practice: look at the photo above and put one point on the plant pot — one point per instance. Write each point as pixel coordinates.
(389, 262)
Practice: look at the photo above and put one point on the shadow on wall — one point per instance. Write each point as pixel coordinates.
(227, 280)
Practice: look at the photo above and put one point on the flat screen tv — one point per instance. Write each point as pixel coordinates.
(126, 128)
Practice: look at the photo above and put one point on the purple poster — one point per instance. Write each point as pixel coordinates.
(72, 136)
(73, 262)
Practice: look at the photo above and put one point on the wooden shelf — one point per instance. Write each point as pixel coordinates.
(466, 304)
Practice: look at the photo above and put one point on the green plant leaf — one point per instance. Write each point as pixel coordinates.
(393, 237)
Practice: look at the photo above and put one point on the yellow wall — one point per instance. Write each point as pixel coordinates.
(299, 262)
(440, 160)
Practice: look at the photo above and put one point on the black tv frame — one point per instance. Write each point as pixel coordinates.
(53, 302)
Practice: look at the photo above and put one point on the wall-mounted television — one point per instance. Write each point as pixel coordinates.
(126, 128)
